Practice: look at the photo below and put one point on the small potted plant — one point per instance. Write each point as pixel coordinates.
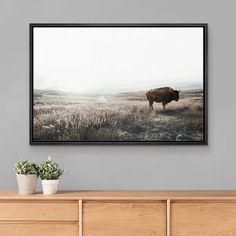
(49, 172)
(26, 175)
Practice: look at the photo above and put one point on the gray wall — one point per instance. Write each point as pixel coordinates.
(122, 167)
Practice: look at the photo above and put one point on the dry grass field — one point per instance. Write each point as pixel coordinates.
(122, 117)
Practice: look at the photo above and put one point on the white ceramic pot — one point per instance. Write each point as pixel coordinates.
(26, 183)
(50, 186)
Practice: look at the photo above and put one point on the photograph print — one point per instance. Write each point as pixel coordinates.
(118, 84)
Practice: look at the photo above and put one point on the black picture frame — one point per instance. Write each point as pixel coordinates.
(205, 83)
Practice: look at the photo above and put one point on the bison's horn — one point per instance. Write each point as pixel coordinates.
(179, 91)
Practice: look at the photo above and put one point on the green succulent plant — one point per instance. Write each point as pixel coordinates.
(25, 167)
(50, 170)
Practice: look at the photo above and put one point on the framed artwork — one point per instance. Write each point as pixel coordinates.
(118, 83)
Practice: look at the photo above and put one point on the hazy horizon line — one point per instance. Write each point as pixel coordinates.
(102, 93)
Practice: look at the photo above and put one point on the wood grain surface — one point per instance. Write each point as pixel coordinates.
(124, 219)
(203, 219)
(43, 211)
(125, 195)
(38, 229)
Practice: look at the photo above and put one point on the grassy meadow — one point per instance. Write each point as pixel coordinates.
(58, 116)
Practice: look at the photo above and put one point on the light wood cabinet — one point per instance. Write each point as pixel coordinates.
(119, 213)
(203, 218)
(38, 229)
(24, 217)
(124, 219)
(39, 211)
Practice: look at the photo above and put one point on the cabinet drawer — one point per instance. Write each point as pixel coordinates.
(202, 218)
(124, 219)
(34, 229)
(53, 211)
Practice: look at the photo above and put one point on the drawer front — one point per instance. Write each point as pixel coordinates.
(53, 211)
(124, 219)
(34, 229)
(203, 219)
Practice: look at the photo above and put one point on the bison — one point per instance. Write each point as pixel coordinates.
(164, 95)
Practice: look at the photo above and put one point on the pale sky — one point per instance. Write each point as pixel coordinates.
(111, 60)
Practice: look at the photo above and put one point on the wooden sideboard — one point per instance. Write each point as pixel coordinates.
(119, 213)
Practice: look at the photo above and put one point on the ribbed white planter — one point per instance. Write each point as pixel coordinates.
(27, 183)
(50, 186)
